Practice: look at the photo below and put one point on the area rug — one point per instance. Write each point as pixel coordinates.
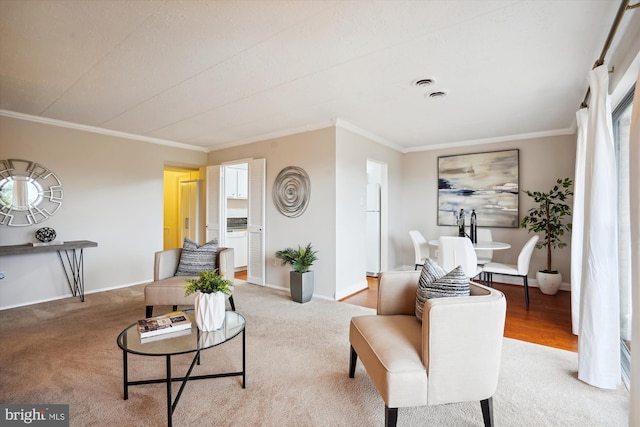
(65, 352)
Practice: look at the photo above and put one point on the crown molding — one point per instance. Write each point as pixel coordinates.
(98, 130)
(340, 123)
(518, 137)
(273, 135)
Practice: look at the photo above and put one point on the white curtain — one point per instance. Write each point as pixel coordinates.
(577, 219)
(599, 327)
(634, 195)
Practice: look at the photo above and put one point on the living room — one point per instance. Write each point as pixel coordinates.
(113, 191)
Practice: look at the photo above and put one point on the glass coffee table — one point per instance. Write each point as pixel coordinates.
(187, 341)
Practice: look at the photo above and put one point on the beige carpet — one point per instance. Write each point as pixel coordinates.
(297, 361)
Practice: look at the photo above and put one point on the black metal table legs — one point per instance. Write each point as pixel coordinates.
(172, 403)
(74, 271)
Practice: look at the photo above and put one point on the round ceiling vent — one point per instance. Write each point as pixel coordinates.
(438, 94)
(424, 82)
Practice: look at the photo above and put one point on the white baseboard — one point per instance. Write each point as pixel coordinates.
(355, 288)
(70, 295)
(277, 287)
(288, 291)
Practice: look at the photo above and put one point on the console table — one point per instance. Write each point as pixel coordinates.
(73, 252)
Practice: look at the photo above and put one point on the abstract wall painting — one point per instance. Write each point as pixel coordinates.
(487, 182)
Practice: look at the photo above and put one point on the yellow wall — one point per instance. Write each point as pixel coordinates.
(172, 178)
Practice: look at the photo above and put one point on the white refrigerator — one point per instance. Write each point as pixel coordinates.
(373, 230)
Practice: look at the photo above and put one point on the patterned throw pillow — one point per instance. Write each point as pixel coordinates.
(429, 274)
(453, 284)
(195, 258)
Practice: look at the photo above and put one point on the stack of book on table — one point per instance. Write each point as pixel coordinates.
(168, 323)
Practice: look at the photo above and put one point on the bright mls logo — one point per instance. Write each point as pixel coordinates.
(36, 415)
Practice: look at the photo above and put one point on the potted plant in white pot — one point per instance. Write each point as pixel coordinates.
(211, 289)
(550, 217)
(300, 277)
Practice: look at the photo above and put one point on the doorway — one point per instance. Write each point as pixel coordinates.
(224, 214)
(236, 211)
(181, 218)
(376, 218)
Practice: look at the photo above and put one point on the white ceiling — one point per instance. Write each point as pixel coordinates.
(219, 73)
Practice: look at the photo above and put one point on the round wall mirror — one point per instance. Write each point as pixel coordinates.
(29, 193)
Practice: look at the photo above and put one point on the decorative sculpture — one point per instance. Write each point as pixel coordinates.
(292, 191)
(46, 234)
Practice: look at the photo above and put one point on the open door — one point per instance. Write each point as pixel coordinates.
(256, 265)
(215, 229)
(217, 222)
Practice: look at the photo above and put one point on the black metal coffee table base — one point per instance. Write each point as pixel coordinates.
(172, 403)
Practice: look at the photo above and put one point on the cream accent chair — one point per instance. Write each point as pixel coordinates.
(168, 289)
(420, 248)
(453, 356)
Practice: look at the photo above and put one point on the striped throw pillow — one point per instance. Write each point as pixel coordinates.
(453, 284)
(195, 258)
(429, 274)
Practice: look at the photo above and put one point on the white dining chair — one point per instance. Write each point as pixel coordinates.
(454, 251)
(521, 269)
(484, 256)
(420, 248)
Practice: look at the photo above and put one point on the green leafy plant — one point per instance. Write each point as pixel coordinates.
(208, 282)
(300, 259)
(549, 217)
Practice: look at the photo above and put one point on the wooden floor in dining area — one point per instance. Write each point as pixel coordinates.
(547, 322)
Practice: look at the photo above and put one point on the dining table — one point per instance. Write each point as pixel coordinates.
(480, 245)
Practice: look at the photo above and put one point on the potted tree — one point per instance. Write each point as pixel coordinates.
(549, 217)
(300, 277)
(211, 289)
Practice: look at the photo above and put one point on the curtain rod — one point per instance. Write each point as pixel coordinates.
(624, 6)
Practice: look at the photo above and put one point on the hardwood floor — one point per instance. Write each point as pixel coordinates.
(547, 322)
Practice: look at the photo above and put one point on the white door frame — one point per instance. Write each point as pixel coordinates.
(217, 213)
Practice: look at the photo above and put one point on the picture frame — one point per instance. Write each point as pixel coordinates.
(487, 182)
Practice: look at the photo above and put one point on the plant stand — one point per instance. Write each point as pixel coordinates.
(301, 286)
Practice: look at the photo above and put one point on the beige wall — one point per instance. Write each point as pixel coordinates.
(335, 160)
(314, 152)
(113, 194)
(542, 160)
(115, 198)
(352, 153)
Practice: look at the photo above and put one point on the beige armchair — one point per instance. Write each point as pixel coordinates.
(453, 356)
(168, 289)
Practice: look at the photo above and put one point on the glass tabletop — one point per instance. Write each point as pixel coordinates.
(185, 341)
(480, 246)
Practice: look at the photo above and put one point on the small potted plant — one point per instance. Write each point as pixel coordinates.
(300, 278)
(211, 288)
(549, 217)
